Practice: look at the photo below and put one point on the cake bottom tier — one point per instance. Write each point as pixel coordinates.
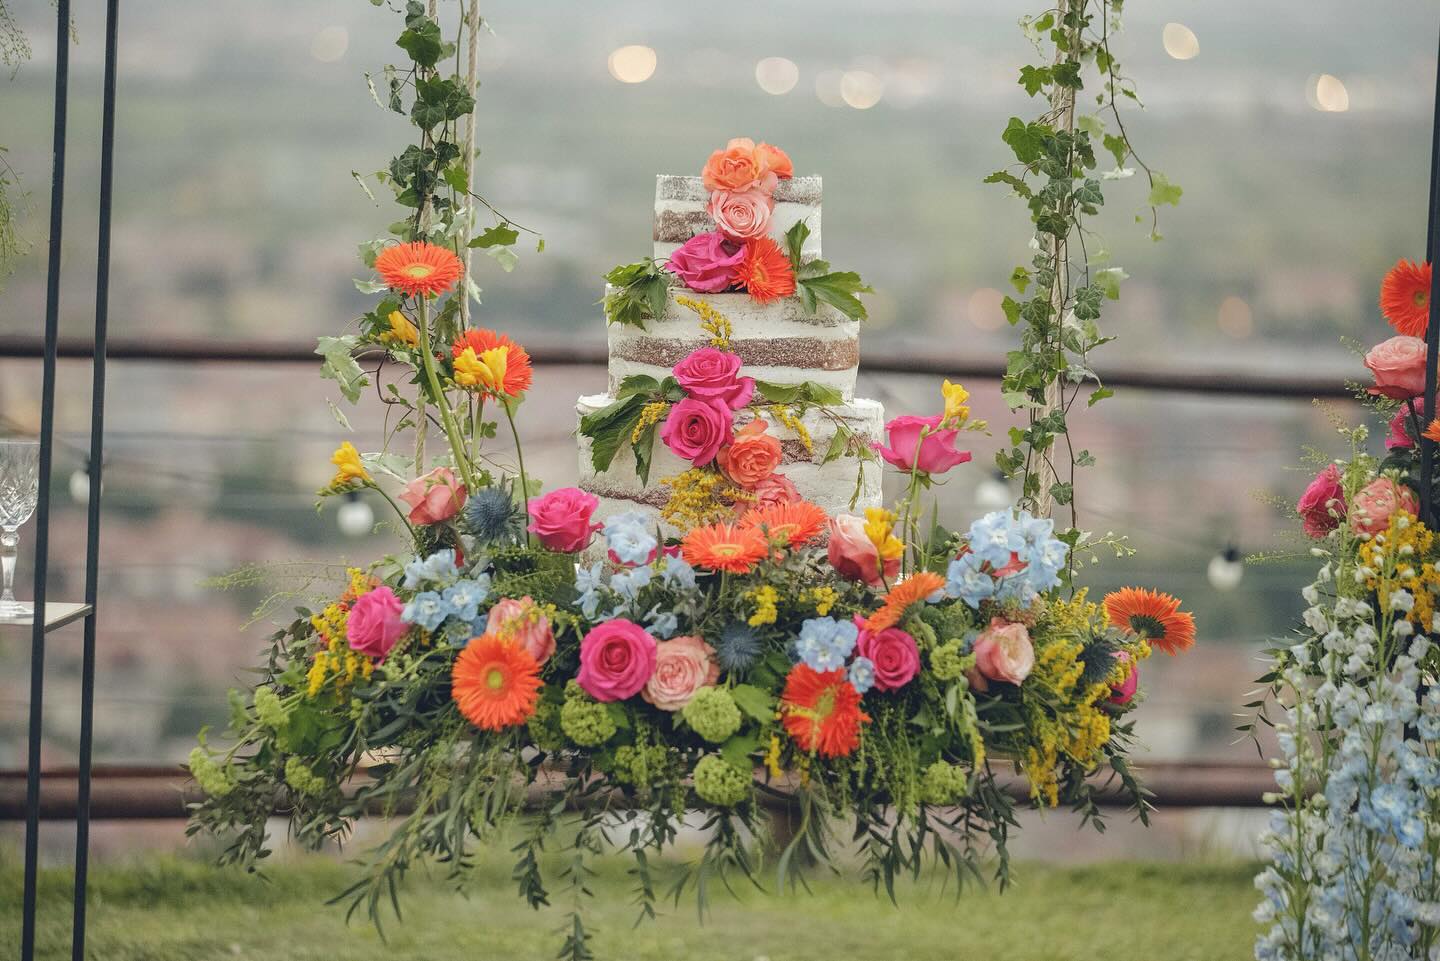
(845, 484)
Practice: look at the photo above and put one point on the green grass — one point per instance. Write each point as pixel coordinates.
(172, 910)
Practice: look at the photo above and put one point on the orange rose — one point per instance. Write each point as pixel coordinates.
(752, 456)
(774, 160)
(738, 167)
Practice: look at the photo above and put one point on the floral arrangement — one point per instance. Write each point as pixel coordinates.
(739, 254)
(1356, 834)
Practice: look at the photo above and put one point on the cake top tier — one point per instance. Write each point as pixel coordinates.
(682, 211)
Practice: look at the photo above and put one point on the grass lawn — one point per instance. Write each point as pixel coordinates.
(173, 910)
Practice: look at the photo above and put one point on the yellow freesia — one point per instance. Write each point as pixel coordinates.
(483, 372)
(401, 330)
(956, 411)
(349, 469)
(879, 527)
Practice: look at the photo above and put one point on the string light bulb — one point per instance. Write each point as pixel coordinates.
(355, 517)
(993, 493)
(1226, 569)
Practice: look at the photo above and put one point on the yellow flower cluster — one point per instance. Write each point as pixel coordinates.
(485, 371)
(790, 419)
(699, 497)
(649, 414)
(765, 599)
(1396, 562)
(336, 659)
(716, 324)
(880, 528)
(401, 331)
(1065, 718)
(823, 597)
(1076, 617)
(772, 758)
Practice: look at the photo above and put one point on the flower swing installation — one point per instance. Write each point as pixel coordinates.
(563, 669)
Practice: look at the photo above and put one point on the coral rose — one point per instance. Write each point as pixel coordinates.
(433, 497)
(919, 443)
(772, 159)
(707, 262)
(752, 456)
(1003, 652)
(740, 214)
(683, 665)
(616, 659)
(713, 374)
(696, 427)
(773, 491)
(740, 166)
(522, 622)
(1399, 367)
(893, 652)
(1322, 506)
(853, 554)
(1377, 500)
(562, 519)
(375, 624)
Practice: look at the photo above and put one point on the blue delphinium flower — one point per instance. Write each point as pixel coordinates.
(678, 574)
(824, 643)
(663, 624)
(995, 537)
(426, 610)
(590, 604)
(437, 570)
(737, 647)
(590, 578)
(491, 515)
(628, 583)
(998, 540)
(466, 596)
(628, 539)
(965, 580)
(862, 674)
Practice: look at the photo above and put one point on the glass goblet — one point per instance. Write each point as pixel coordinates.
(19, 489)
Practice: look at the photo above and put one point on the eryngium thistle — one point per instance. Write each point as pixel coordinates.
(737, 647)
(491, 516)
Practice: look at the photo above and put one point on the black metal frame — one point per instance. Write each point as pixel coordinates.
(93, 467)
(1432, 329)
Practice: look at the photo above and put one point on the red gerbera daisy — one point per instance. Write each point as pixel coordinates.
(821, 711)
(724, 547)
(1405, 298)
(495, 364)
(793, 523)
(1154, 616)
(495, 683)
(418, 269)
(765, 272)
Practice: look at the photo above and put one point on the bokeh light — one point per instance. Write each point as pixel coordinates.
(330, 44)
(1327, 94)
(861, 89)
(1234, 318)
(827, 88)
(1180, 41)
(985, 310)
(632, 64)
(777, 75)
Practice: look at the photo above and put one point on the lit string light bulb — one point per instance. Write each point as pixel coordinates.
(993, 493)
(1226, 569)
(355, 518)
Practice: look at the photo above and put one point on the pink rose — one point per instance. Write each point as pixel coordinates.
(683, 665)
(852, 553)
(707, 262)
(1322, 505)
(892, 651)
(1124, 692)
(374, 624)
(522, 622)
(561, 519)
(696, 427)
(936, 448)
(1377, 500)
(1399, 367)
(741, 214)
(773, 491)
(1003, 652)
(1400, 438)
(434, 497)
(712, 374)
(616, 659)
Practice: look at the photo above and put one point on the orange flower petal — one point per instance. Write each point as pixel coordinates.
(495, 683)
(418, 269)
(1154, 616)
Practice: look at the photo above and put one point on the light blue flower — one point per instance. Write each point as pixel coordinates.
(965, 580)
(466, 596)
(663, 624)
(825, 644)
(590, 604)
(628, 583)
(426, 610)
(678, 574)
(437, 570)
(590, 578)
(995, 537)
(628, 539)
(862, 674)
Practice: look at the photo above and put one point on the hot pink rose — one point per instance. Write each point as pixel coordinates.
(707, 262)
(1124, 692)
(616, 659)
(771, 492)
(524, 623)
(696, 427)
(1399, 367)
(852, 553)
(936, 448)
(683, 665)
(741, 214)
(374, 624)
(1377, 500)
(712, 374)
(561, 519)
(434, 497)
(892, 651)
(1400, 438)
(1003, 652)
(1322, 506)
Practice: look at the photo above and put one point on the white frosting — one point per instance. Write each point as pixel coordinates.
(796, 199)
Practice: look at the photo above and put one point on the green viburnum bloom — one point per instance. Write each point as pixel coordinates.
(213, 779)
(949, 663)
(301, 778)
(269, 709)
(640, 766)
(544, 727)
(943, 783)
(712, 714)
(720, 782)
(585, 720)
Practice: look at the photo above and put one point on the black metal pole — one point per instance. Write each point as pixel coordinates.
(94, 466)
(42, 506)
(1432, 329)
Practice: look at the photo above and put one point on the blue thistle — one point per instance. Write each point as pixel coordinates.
(737, 647)
(491, 516)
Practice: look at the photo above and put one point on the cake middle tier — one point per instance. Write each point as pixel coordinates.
(777, 342)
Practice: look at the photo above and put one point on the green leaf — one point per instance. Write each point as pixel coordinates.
(1118, 147)
(502, 235)
(644, 448)
(1067, 74)
(1087, 302)
(795, 239)
(1020, 187)
(1012, 309)
(609, 427)
(1026, 140)
(754, 701)
(737, 750)
(1091, 124)
(838, 289)
(820, 394)
(504, 256)
(422, 42)
(340, 365)
(1109, 281)
(1089, 193)
(1035, 79)
(643, 291)
(1063, 493)
(778, 393)
(1097, 395)
(839, 443)
(1020, 279)
(1162, 191)
(637, 384)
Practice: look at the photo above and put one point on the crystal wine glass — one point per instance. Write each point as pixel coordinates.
(19, 489)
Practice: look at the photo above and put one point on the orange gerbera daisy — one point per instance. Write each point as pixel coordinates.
(418, 269)
(495, 683)
(821, 711)
(1405, 297)
(793, 524)
(1433, 431)
(491, 363)
(914, 588)
(724, 547)
(765, 272)
(1154, 616)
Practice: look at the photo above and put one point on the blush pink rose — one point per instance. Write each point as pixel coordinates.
(918, 443)
(1322, 506)
(1377, 500)
(852, 553)
(712, 374)
(892, 651)
(522, 622)
(434, 497)
(707, 262)
(773, 491)
(561, 519)
(374, 624)
(1399, 367)
(696, 427)
(1124, 692)
(683, 665)
(1400, 438)
(741, 214)
(616, 659)
(1003, 652)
